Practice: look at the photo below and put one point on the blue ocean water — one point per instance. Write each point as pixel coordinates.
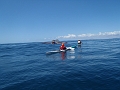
(95, 65)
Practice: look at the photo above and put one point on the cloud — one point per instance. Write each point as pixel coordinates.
(90, 35)
(68, 36)
(86, 35)
(109, 33)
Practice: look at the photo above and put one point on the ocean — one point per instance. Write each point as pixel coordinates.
(95, 65)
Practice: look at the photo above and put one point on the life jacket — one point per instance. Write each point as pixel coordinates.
(62, 47)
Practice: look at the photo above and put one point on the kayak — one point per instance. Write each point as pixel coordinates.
(70, 48)
(58, 51)
(79, 44)
(52, 52)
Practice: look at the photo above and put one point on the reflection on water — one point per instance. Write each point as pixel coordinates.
(71, 54)
(63, 55)
(71, 57)
(79, 46)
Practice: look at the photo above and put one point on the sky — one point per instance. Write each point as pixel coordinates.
(45, 20)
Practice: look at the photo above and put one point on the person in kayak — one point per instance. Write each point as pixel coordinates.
(53, 42)
(62, 47)
(79, 42)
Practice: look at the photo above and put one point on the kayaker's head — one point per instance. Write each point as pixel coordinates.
(62, 44)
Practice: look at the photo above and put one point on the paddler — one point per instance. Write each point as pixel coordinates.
(53, 42)
(79, 42)
(62, 47)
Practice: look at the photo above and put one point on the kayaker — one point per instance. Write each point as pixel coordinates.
(62, 47)
(79, 42)
(53, 42)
